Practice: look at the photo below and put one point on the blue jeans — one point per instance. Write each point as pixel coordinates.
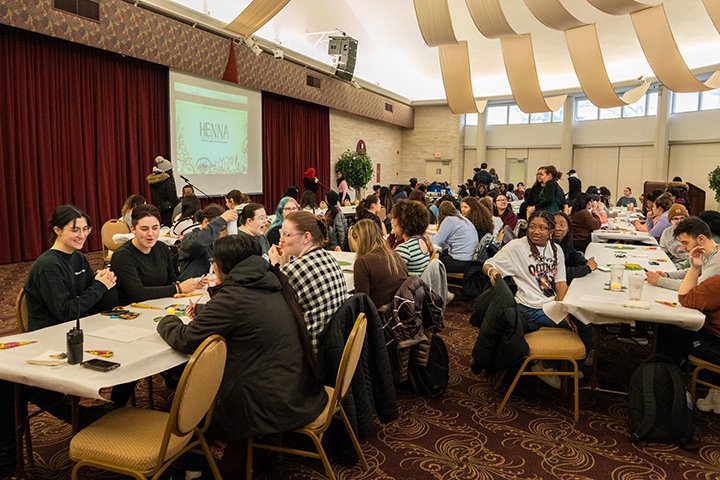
(537, 318)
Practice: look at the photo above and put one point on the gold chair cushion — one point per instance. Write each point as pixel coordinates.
(127, 438)
(323, 417)
(555, 341)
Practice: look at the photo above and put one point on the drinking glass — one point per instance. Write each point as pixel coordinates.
(635, 286)
(616, 275)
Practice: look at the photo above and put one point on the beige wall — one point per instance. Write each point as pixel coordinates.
(382, 140)
(437, 130)
(693, 162)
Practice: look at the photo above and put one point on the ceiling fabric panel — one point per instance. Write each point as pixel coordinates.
(489, 18)
(522, 74)
(662, 53)
(713, 10)
(433, 17)
(617, 7)
(455, 68)
(255, 15)
(584, 48)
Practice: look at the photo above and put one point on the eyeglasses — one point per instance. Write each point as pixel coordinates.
(290, 234)
(290, 209)
(262, 218)
(539, 228)
(85, 230)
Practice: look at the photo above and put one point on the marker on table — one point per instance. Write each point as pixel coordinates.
(6, 345)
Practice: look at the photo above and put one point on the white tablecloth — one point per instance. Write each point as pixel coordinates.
(622, 236)
(346, 258)
(140, 358)
(588, 300)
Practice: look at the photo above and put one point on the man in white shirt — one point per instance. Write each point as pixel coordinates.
(537, 265)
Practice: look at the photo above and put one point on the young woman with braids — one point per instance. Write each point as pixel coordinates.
(271, 382)
(537, 264)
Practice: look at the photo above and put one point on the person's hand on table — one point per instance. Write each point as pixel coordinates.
(592, 264)
(106, 277)
(653, 277)
(190, 310)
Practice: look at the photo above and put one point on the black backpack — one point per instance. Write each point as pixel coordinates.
(660, 408)
(432, 379)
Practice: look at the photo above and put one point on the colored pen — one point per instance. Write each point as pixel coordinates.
(101, 353)
(6, 345)
(669, 304)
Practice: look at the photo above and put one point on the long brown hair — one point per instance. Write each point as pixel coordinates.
(447, 209)
(479, 215)
(367, 237)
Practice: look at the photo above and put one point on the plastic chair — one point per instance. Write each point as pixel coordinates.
(699, 365)
(551, 344)
(110, 228)
(317, 428)
(144, 443)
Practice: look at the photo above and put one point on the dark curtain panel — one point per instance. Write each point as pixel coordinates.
(296, 135)
(77, 125)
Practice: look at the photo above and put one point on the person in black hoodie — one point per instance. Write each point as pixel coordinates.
(162, 189)
(271, 382)
(576, 265)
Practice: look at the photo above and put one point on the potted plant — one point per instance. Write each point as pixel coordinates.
(714, 180)
(357, 169)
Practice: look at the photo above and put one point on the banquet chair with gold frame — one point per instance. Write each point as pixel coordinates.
(551, 344)
(143, 443)
(110, 228)
(317, 428)
(698, 365)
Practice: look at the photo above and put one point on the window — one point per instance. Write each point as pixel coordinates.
(471, 119)
(608, 113)
(497, 115)
(557, 117)
(544, 117)
(636, 109)
(710, 100)
(652, 102)
(585, 110)
(686, 102)
(517, 116)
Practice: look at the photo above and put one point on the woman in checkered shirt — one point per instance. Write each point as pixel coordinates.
(312, 271)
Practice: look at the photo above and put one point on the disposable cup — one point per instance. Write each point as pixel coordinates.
(635, 286)
(616, 276)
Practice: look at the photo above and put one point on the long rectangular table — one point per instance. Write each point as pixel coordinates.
(589, 300)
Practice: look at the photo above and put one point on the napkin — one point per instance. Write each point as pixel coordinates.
(49, 358)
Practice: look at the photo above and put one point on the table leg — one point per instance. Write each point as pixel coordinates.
(75, 413)
(20, 415)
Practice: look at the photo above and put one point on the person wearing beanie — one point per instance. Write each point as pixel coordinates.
(310, 181)
(669, 243)
(162, 189)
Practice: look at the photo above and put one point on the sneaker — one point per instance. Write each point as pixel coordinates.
(552, 380)
(581, 375)
(590, 359)
(450, 297)
(711, 403)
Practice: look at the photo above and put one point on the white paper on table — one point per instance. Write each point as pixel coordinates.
(121, 333)
(49, 358)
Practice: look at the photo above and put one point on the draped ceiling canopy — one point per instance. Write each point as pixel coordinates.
(466, 51)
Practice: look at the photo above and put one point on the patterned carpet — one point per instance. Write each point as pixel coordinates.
(460, 435)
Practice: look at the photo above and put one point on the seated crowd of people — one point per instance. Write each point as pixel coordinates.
(277, 287)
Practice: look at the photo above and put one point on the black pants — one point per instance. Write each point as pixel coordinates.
(677, 343)
(452, 265)
(7, 429)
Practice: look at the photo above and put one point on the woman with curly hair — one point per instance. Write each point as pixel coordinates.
(537, 264)
(458, 238)
(378, 271)
(409, 221)
(478, 215)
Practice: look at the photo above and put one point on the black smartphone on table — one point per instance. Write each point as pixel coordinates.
(100, 365)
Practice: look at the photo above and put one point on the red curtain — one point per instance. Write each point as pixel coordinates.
(77, 125)
(296, 135)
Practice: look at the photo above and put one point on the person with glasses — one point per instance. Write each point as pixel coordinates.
(312, 271)
(285, 206)
(537, 264)
(503, 210)
(254, 223)
(61, 282)
(143, 265)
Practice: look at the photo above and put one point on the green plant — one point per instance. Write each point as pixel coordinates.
(714, 179)
(356, 167)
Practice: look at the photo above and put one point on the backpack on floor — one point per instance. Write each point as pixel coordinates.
(660, 408)
(432, 379)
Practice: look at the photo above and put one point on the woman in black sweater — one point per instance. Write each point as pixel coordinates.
(576, 265)
(143, 266)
